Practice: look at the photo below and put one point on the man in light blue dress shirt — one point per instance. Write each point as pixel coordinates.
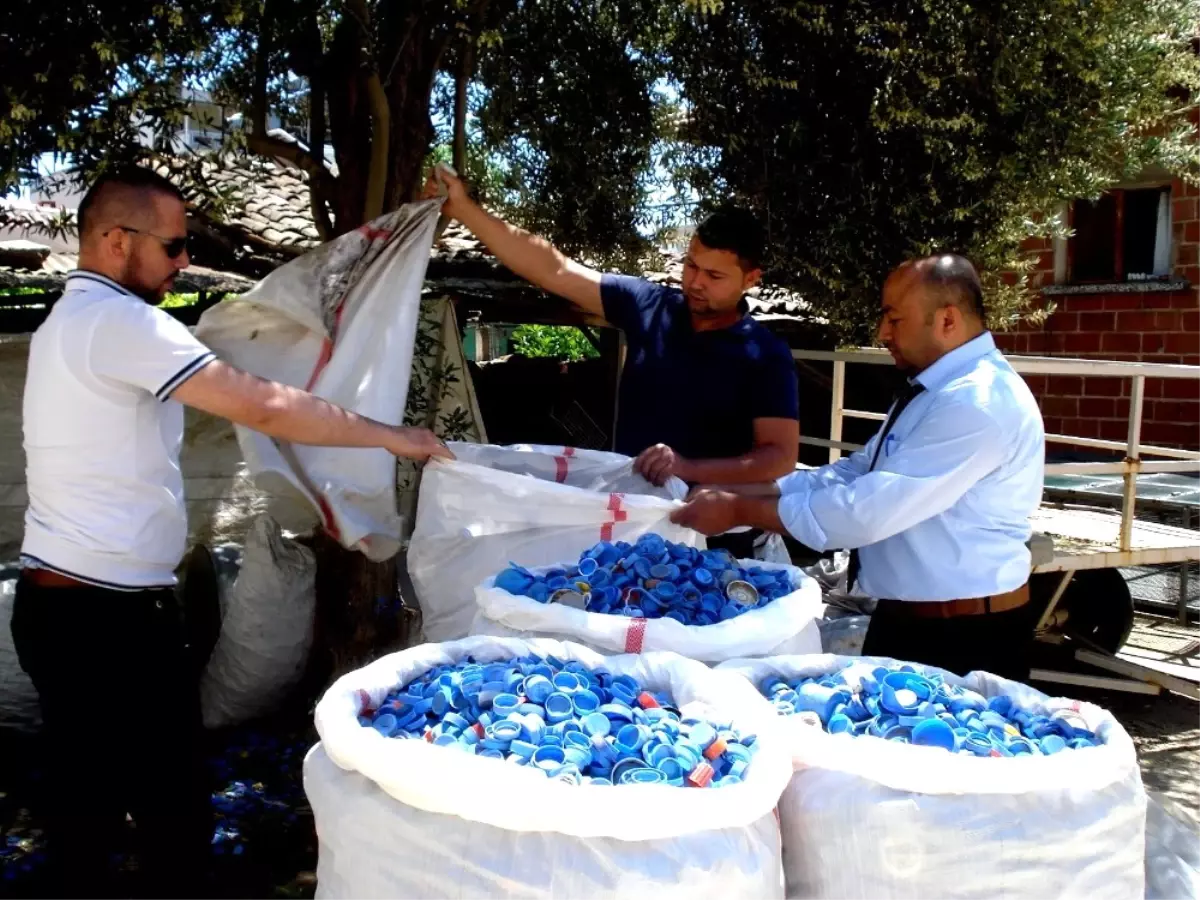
(935, 509)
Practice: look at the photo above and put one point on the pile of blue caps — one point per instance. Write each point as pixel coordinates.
(262, 792)
(652, 579)
(900, 704)
(577, 725)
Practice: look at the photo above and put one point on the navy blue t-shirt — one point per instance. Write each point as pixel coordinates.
(699, 392)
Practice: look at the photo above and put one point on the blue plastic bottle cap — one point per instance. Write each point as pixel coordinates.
(623, 694)
(512, 581)
(492, 754)
(578, 757)
(443, 740)
(505, 703)
(558, 707)
(596, 724)
(505, 730)
(820, 699)
(587, 566)
(689, 756)
(385, 724)
(654, 753)
(523, 749)
(568, 682)
(978, 744)
(585, 702)
(549, 758)
(630, 738)
(933, 732)
(456, 720)
(839, 723)
(670, 768)
(1052, 743)
(1019, 746)
(702, 734)
(538, 688)
(578, 739)
(618, 711)
(643, 776)
(626, 765)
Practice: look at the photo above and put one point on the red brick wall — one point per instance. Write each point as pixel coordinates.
(1133, 327)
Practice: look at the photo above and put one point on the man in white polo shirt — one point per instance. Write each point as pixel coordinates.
(95, 621)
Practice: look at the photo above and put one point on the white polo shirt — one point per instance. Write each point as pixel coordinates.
(102, 437)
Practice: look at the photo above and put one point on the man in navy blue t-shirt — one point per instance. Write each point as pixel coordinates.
(707, 394)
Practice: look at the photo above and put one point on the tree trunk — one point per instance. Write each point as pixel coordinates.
(359, 614)
(381, 131)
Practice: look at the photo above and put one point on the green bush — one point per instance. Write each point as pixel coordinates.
(553, 341)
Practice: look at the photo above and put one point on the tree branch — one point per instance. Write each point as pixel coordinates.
(317, 187)
(381, 120)
(466, 68)
(295, 153)
(259, 141)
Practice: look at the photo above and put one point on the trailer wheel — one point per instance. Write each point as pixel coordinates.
(1098, 604)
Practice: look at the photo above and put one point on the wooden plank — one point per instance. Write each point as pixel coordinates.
(1090, 539)
(1141, 671)
(1094, 681)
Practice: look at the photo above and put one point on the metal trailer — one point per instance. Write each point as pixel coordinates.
(1077, 549)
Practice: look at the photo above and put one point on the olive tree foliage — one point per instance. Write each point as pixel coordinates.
(867, 131)
(533, 97)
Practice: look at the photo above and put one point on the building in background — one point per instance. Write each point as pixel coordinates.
(1125, 286)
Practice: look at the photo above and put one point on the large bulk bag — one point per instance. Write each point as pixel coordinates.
(784, 626)
(404, 818)
(867, 817)
(266, 627)
(339, 321)
(525, 504)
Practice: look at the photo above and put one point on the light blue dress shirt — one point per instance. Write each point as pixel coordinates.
(945, 513)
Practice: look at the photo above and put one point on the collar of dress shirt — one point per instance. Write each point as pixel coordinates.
(957, 360)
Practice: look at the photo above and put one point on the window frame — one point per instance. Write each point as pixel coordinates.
(1120, 276)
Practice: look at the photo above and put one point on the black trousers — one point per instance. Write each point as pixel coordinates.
(999, 643)
(122, 729)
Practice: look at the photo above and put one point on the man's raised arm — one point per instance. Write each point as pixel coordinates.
(533, 258)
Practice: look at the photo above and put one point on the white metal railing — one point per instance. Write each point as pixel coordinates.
(1130, 467)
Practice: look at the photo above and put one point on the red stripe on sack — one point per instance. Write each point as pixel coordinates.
(560, 463)
(374, 234)
(364, 700)
(618, 515)
(330, 523)
(635, 635)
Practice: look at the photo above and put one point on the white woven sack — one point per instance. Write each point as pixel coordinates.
(266, 628)
(403, 818)
(474, 518)
(866, 817)
(787, 625)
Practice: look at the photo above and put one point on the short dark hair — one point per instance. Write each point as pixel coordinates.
(136, 178)
(954, 278)
(737, 230)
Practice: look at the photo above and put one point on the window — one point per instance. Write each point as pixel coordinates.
(1125, 235)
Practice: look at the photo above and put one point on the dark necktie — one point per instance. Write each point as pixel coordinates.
(904, 398)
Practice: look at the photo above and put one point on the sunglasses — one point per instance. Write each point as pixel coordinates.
(173, 246)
